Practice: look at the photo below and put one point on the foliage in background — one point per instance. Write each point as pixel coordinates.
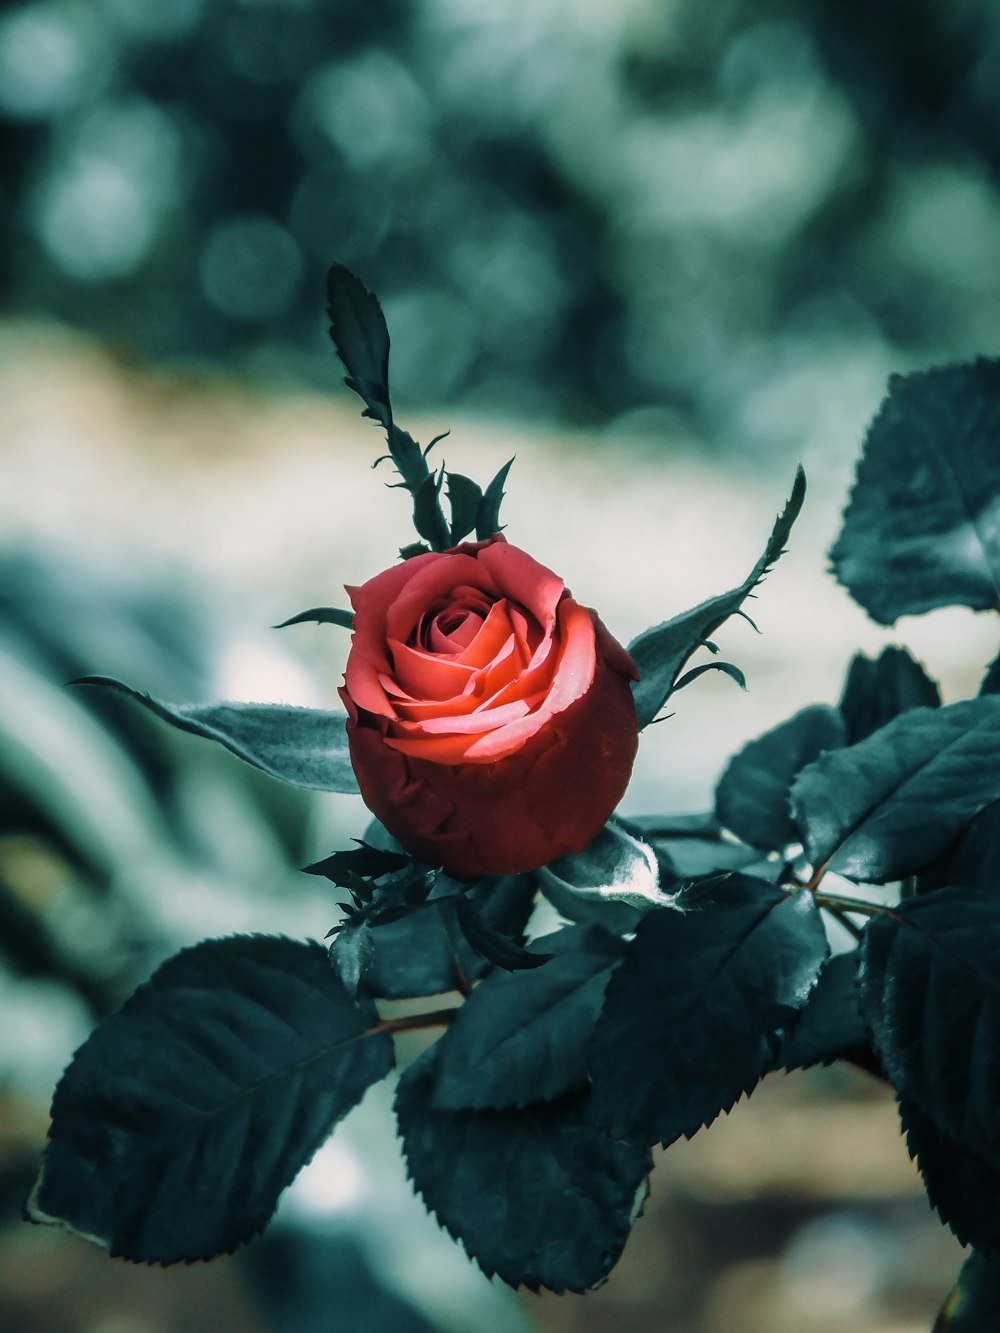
(575, 211)
(692, 958)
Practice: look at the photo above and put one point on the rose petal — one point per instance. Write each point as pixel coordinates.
(573, 676)
(495, 630)
(425, 676)
(429, 584)
(524, 580)
(454, 641)
(472, 724)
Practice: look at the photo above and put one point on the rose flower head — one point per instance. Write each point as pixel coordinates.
(490, 716)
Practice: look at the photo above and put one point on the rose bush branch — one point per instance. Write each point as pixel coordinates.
(490, 724)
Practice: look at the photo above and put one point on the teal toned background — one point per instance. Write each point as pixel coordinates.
(660, 252)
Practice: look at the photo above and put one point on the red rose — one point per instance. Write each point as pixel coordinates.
(490, 716)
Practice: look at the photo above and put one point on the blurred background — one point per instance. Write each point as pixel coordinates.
(660, 251)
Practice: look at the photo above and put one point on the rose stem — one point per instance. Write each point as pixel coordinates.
(434, 1018)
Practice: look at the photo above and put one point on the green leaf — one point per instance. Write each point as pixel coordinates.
(695, 1011)
(415, 548)
(921, 528)
(963, 1189)
(683, 859)
(892, 804)
(425, 953)
(877, 691)
(540, 1196)
(617, 867)
(359, 333)
(496, 948)
(352, 953)
(488, 516)
(522, 1037)
(304, 746)
(930, 993)
(368, 862)
(727, 669)
(464, 499)
(428, 518)
(752, 796)
(322, 615)
(616, 917)
(660, 653)
(691, 847)
(831, 1023)
(973, 862)
(184, 1115)
(973, 1305)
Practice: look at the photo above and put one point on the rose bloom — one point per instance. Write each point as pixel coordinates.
(490, 716)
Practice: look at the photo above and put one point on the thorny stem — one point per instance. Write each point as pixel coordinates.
(432, 1019)
(836, 904)
(813, 882)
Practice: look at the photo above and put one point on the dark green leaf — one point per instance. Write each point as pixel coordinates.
(921, 528)
(464, 499)
(304, 746)
(185, 1114)
(359, 333)
(991, 681)
(963, 1189)
(616, 917)
(752, 797)
(930, 993)
(660, 653)
(539, 1197)
(415, 548)
(695, 1011)
(727, 669)
(522, 1037)
(973, 1305)
(877, 691)
(683, 859)
(691, 847)
(368, 862)
(496, 948)
(425, 953)
(322, 615)
(892, 804)
(352, 953)
(488, 517)
(617, 867)
(428, 518)
(974, 861)
(831, 1024)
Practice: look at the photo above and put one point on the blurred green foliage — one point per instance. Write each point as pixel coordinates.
(632, 214)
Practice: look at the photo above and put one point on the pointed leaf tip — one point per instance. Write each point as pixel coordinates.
(321, 615)
(660, 653)
(306, 747)
(488, 516)
(360, 335)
